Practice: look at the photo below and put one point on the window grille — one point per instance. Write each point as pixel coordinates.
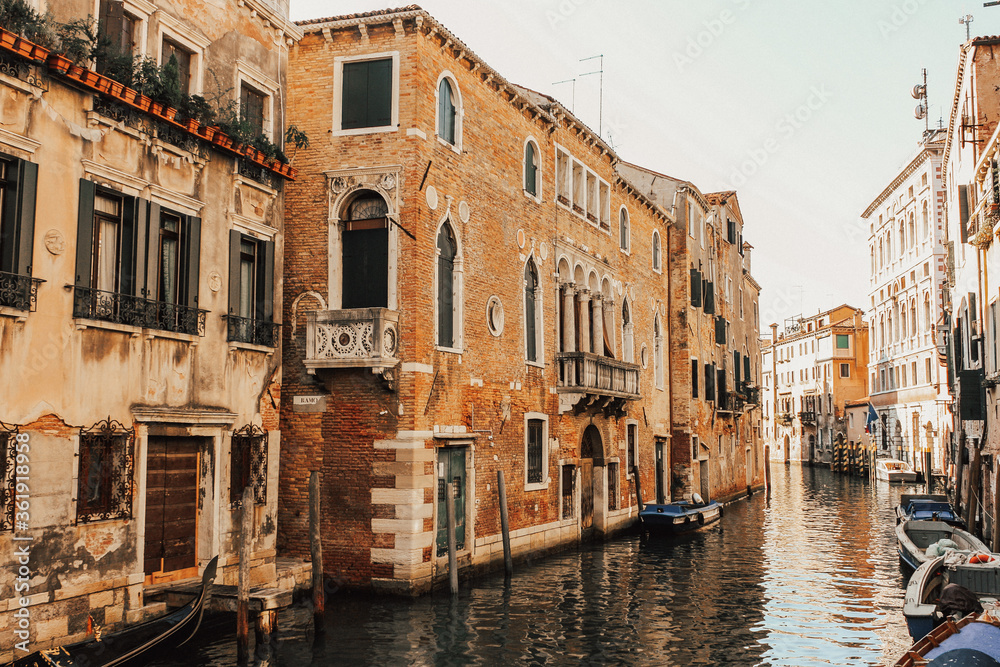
(8, 448)
(105, 483)
(249, 464)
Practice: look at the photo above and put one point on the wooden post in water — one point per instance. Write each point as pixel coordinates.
(508, 562)
(243, 583)
(928, 476)
(449, 508)
(316, 551)
(638, 486)
(264, 629)
(973, 504)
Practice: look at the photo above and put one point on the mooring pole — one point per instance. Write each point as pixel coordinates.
(508, 562)
(243, 583)
(449, 508)
(638, 486)
(316, 550)
(927, 470)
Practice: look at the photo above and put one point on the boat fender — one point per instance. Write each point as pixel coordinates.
(720, 511)
(701, 519)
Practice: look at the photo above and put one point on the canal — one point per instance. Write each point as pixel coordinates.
(806, 576)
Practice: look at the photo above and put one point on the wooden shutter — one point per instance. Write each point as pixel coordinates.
(235, 238)
(85, 233)
(970, 394)
(28, 177)
(191, 261)
(380, 92)
(696, 288)
(709, 297)
(732, 231)
(963, 211)
(694, 378)
(973, 339)
(127, 266)
(529, 314)
(365, 262)
(446, 302)
(147, 248)
(746, 369)
(736, 368)
(264, 311)
(720, 330)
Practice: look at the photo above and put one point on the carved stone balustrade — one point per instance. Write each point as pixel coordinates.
(352, 338)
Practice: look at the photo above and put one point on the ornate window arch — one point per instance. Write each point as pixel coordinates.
(657, 259)
(448, 289)
(449, 111)
(624, 231)
(532, 313)
(532, 172)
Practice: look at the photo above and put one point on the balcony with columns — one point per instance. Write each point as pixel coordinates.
(592, 381)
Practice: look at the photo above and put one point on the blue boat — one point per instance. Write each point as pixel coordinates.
(681, 516)
(974, 640)
(927, 507)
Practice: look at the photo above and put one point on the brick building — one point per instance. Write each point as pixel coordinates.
(716, 445)
(470, 288)
(140, 267)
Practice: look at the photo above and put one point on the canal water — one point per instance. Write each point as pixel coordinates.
(805, 576)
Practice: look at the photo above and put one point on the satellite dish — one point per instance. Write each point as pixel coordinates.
(918, 91)
(919, 112)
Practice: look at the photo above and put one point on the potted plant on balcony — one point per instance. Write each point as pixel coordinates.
(169, 90)
(197, 113)
(146, 80)
(77, 40)
(26, 32)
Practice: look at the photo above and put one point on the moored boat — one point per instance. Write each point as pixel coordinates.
(134, 646)
(913, 538)
(681, 516)
(969, 641)
(894, 471)
(927, 506)
(937, 590)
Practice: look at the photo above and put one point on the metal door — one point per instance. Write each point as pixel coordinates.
(451, 468)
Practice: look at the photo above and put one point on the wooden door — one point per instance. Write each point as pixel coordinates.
(171, 508)
(660, 489)
(451, 468)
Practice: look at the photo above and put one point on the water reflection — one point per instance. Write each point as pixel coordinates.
(808, 576)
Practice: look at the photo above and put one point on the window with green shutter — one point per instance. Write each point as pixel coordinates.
(18, 179)
(366, 94)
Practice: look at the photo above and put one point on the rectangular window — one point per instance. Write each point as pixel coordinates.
(248, 464)
(117, 28)
(843, 342)
(904, 376)
(137, 263)
(927, 363)
(631, 453)
(913, 372)
(535, 459)
(183, 57)
(709, 382)
(366, 94)
(845, 370)
(18, 179)
(104, 482)
(696, 288)
(251, 290)
(613, 485)
(252, 104)
(568, 486)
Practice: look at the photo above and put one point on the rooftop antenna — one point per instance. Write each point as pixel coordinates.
(572, 99)
(600, 108)
(919, 92)
(966, 21)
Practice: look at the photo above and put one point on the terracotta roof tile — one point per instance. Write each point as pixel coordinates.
(361, 15)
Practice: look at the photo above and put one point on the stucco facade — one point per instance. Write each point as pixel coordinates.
(124, 389)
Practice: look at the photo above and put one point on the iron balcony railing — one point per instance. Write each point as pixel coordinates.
(807, 417)
(352, 338)
(18, 292)
(95, 304)
(597, 374)
(254, 332)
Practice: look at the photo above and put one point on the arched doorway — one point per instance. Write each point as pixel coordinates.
(591, 449)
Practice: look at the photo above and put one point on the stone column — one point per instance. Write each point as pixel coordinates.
(598, 325)
(583, 296)
(569, 326)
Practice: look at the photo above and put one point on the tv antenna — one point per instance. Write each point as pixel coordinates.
(966, 21)
(572, 99)
(600, 107)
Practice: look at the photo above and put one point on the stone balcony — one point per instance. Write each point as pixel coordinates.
(603, 383)
(352, 338)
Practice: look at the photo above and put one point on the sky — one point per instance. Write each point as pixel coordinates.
(802, 107)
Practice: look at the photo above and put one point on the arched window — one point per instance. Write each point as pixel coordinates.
(531, 312)
(927, 312)
(913, 317)
(881, 254)
(447, 249)
(530, 169)
(893, 332)
(872, 252)
(365, 252)
(656, 250)
(881, 332)
(446, 112)
(902, 239)
(623, 230)
(912, 232)
(926, 223)
(902, 319)
(657, 353)
(888, 247)
(628, 353)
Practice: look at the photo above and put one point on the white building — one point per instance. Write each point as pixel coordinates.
(907, 253)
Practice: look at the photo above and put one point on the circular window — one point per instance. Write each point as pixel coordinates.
(644, 356)
(494, 315)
